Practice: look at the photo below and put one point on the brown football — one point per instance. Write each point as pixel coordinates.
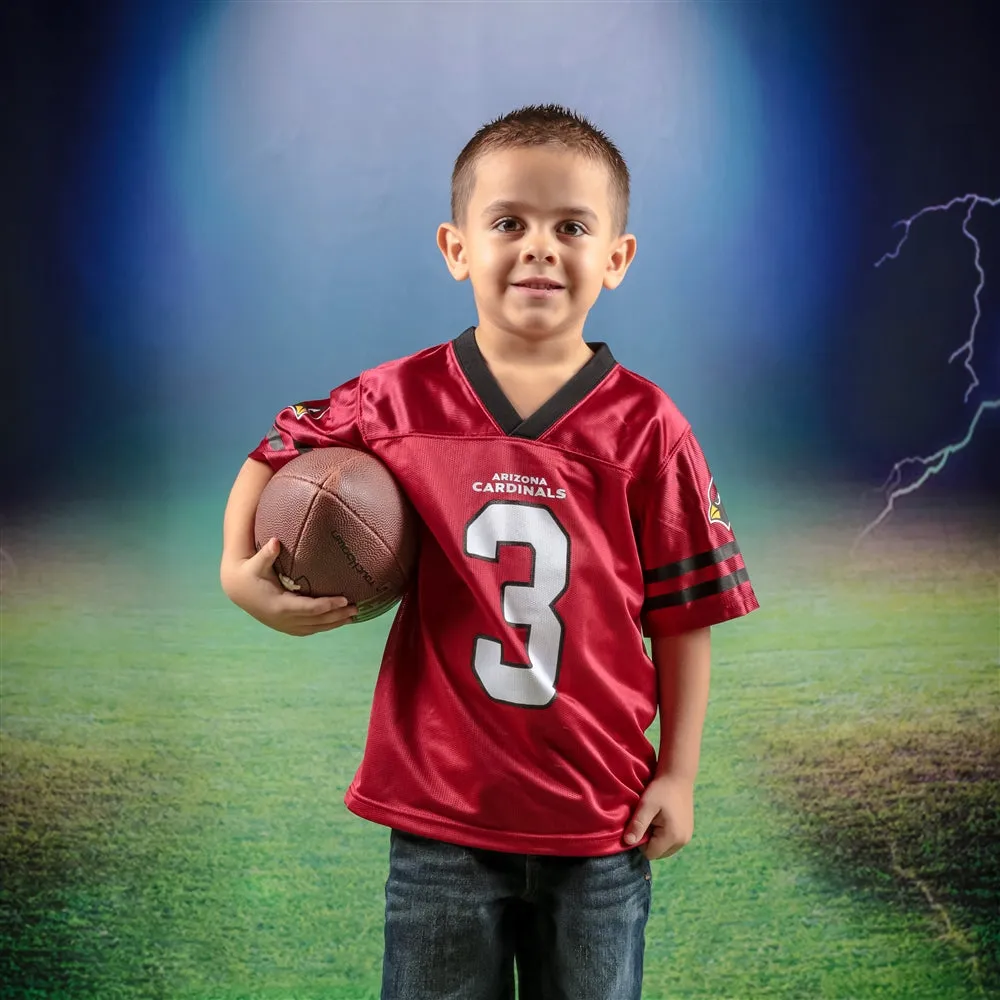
(345, 527)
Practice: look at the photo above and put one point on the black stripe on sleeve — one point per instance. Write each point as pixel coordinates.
(707, 589)
(689, 565)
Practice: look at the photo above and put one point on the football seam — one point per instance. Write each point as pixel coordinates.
(360, 520)
(303, 523)
(343, 506)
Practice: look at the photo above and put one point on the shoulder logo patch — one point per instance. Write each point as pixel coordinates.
(716, 511)
(300, 410)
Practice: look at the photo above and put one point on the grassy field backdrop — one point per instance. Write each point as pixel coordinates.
(172, 775)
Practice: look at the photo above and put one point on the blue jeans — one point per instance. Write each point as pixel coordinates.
(458, 920)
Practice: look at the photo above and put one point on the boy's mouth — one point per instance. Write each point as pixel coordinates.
(543, 284)
(538, 292)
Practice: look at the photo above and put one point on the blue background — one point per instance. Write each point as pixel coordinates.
(218, 208)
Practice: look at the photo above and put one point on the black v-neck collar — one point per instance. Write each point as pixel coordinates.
(488, 390)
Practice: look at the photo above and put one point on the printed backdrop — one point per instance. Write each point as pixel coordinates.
(217, 208)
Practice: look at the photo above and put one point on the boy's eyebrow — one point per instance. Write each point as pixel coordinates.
(512, 206)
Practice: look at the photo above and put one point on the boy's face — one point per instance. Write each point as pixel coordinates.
(537, 212)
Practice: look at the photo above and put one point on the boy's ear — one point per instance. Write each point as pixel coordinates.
(619, 260)
(451, 243)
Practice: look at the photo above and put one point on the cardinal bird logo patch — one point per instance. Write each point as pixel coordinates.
(299, 410)
(716, 511)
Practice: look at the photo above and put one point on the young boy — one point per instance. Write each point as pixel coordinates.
(566, 510)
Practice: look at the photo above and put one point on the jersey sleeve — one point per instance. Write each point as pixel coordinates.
(693, 571)
(319, 423)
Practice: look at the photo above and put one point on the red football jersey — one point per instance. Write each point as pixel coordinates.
(515, 690)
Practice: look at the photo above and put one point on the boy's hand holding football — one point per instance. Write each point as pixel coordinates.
(248, 577)
(252, 585)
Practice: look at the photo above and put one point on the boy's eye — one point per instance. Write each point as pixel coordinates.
(503, 222)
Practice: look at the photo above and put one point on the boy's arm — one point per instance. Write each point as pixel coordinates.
(683, 664)
(666, 808)
(237, 523)
(248, 577)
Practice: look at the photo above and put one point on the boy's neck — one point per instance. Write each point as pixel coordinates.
(530, 372)
(501, 349)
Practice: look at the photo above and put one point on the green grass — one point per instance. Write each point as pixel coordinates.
(888, 774)
(173, 774)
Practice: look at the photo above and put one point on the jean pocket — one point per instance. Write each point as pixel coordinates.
(642, 864)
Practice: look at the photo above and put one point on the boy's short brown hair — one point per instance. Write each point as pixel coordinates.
(541, 125)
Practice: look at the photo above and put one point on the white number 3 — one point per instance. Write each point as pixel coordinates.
(524, 604)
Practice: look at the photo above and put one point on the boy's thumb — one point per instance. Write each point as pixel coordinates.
(644, 814)
(268, 552)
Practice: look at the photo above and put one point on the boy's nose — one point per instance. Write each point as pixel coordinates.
(539, 250)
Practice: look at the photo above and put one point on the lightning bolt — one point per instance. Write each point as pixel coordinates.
(930, 465)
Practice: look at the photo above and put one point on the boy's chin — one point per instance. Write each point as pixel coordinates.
(537, 327)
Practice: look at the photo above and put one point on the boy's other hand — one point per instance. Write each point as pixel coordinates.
(666, 810)
(253, 585)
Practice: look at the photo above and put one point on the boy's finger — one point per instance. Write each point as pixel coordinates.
(310, 607)
(320, 606)
(335, 617)
(644, 815)
(660, 845)
(265, 556)
(326, 624)
(309, 611)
